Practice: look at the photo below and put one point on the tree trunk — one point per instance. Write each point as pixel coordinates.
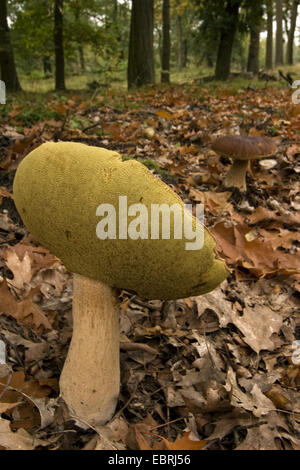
(141, 55)
(58, 45)
(253, 57)
(269, 49)
(7, 62)
(255, 20)
(80, 48)
(226, 40)
(279, 33)
(185, 53)
(82, 59)
(180, 50)
(291, 35)
(166, 46)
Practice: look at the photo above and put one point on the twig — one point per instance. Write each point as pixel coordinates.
(91, 127)
(167, 423)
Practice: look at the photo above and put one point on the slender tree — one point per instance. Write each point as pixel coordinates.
(279, 33)
(141, 56)
(7, 62)
(227, 35)
(255, 22)
(58, 45)
(80, 48)
(253, 55)
(291, 35)
(180, 43)
(166, 45)
(269, 45)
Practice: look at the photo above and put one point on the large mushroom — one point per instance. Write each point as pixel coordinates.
(58, 188)
(242, 149)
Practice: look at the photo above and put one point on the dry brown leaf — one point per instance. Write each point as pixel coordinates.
(19, 440)
(258, 324)
(140, 435)
(4, 407)
(259, 438)
(41, 258)
(164, 114)
(234, 419)
(216, 203)
(279, 399)
(185, 443)
(258, 256)
(255, 401)
(24, 311)
(21, 269)
(19, 386)
(264, 214)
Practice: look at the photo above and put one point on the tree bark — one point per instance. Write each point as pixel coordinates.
(80, 48)
(82, 59)
(253, 57)
(226, 39)
(141, 55)
(166, 45)
(185, 53)
(279, 33)
(269, 48)
(58, 45)
(180, 46)
(7, 62)
(255, 28)
(291, 35)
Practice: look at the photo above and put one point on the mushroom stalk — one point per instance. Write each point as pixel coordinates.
(236, 176)
(90, 380)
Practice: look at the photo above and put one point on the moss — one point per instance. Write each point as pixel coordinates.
(150, 164)
(57, 189)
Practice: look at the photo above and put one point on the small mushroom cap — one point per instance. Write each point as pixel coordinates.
(57, 190)
(242, 147)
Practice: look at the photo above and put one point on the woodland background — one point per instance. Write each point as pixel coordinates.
(84, 42)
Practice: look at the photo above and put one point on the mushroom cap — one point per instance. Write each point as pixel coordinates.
(242, 147)
(57, 190)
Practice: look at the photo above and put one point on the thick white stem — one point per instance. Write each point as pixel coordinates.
(236, 176)
(90, 380)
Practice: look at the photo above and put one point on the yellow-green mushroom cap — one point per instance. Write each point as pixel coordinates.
(57, 190)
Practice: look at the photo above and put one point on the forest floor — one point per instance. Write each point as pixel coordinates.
(212, 372)
(36, 83)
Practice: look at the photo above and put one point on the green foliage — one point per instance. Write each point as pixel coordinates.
(95, 35)
(212, 18)
(29, 116)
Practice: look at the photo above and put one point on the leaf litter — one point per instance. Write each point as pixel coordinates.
(204, 373)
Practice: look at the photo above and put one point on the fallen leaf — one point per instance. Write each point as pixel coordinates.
(185, 443)
(24, 311)
(19, 440)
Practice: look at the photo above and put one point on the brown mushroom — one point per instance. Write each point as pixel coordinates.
(242, 149)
